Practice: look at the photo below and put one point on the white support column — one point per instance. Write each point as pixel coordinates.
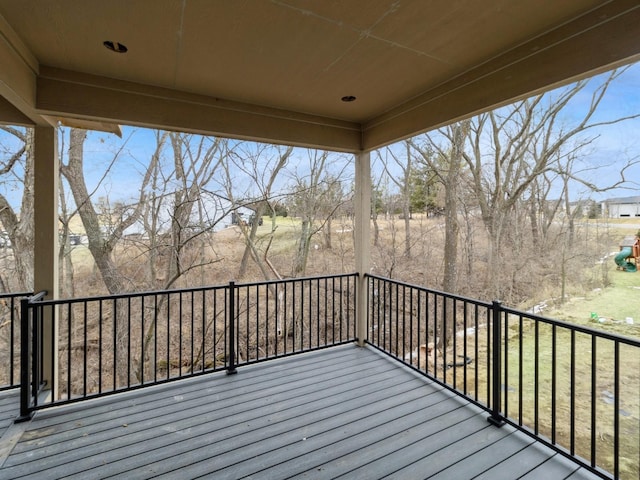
(45, 218)
(362, 219)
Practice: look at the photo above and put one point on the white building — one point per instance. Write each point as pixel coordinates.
(211, 212)
(623, 207)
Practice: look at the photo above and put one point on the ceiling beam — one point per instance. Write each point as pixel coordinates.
(17, 80)
(10, 115)
(64, 93)
(602, 39)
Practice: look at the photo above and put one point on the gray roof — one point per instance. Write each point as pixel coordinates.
(620, 200)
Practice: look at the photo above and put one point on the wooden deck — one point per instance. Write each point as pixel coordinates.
(345, 412)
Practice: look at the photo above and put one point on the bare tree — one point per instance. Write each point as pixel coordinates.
(101, 242)
(195, 161)
(399, 168)
(447, 165)
(179, 216)
(508, 149)
(315, 199)
(64, 256)
(18, 225)
(262, 165)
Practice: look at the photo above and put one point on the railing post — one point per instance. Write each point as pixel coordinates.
(231, 304)
(496, 417)
(362, 307)
(25, 384)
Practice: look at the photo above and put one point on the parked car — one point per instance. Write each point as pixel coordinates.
(252, 219)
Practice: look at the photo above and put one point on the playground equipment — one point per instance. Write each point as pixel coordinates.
(627, 259)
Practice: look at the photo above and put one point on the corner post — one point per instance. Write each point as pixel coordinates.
(45, 219)
(362, 247)
(25, 364)
(231, 369)
(496, 417)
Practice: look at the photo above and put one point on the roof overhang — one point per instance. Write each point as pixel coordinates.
(277, 71)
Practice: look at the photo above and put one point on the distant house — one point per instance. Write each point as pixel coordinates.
(623, 207)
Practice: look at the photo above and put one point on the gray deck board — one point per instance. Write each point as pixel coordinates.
(334, 432)
(195, 406)
(9, 400)
(481, 456)
(522, 463)
(345, 412)
(555, 467)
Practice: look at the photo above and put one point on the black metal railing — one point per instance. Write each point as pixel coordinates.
(31, 353)
(120, 342)
(575, 388)
(10, 339)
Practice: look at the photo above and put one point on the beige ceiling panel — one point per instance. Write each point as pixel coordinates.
(70, 35)
(263, 53)
(381, 80)
(353, 15)
(576, 50)
(464, 33)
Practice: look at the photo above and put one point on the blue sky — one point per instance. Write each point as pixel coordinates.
(616, 144)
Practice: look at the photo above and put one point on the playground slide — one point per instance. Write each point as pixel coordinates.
(621, 260)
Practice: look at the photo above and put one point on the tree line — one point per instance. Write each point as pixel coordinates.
(501, 186)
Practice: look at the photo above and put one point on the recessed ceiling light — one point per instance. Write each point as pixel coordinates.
(115, 46)
(348, 98)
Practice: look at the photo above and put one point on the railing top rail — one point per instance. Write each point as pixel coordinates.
(36, 297)
(297, 279)
(17, 294)
(147, 293)
(571, 326)
(150, 293)
(481, 303)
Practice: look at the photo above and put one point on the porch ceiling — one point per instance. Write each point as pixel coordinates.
(277, 70)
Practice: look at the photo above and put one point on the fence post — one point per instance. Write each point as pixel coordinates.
(25, 384)
(231, 369)
(496, 417)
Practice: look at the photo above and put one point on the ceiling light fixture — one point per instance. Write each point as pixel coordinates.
(348, 98)
(115, 46)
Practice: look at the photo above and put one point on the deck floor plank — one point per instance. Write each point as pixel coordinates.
(482, 457)
(345, 412)
(389, 454)
(196, 387)
(329, 437)
(8, 401)
(152, 415)
(519, 464)
(556, 467)
(125, 434)
(217, 444)
(272, 424)
(422, 459)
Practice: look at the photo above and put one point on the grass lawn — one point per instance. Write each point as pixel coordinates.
(611, 306)
(606, 309)
(531, 405)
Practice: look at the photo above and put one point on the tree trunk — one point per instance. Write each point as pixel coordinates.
(452, 225)
(20, 228)
(101, 248)
(327, 234)
(302, 253)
